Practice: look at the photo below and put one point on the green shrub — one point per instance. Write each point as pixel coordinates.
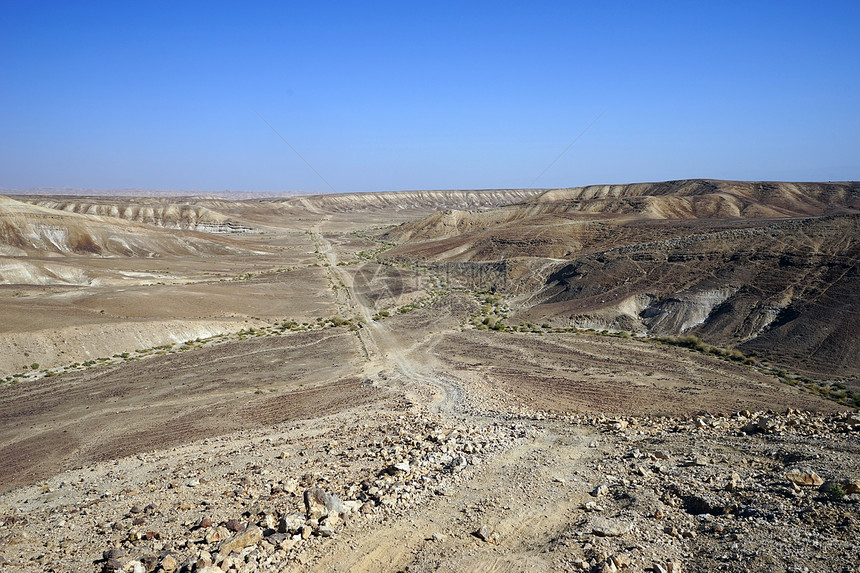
(34, 365)
(836, 492)
(693, 342)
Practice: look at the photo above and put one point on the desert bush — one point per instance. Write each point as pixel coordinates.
(836, 492)
(736, 355)
(693, 342)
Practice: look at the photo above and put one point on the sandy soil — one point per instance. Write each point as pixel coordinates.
(497, 429)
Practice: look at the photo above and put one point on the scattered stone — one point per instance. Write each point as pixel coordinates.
(169, 563)
(604, 527)
(291, 524)
(398, 468)
(241, 540)
(607, 567)
(112, 566)
(215, 534)
(134, 567)
(486, 534)
(459, 463)
(592, 506)
(601, 490)
(803, 476)
(735, 482)
(319, 503)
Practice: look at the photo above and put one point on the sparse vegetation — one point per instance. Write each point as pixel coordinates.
(836, 492)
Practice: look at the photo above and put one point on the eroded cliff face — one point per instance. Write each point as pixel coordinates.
(769, 268)
(412, 200)
(34, 230)
(167, 213)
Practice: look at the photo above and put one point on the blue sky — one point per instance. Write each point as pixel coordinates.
(436, 95)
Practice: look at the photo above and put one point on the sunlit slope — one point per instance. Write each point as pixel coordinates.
(768, 267)
(33, 230)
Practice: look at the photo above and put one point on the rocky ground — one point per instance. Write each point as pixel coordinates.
(404, 437)
(752, 491)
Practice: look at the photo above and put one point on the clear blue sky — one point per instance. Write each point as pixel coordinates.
(430, 95)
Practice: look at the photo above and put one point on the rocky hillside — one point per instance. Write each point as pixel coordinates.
(33, 230)
(408, 200)
(165, 212)
(747, 492)
(769, 268)
(687, 199)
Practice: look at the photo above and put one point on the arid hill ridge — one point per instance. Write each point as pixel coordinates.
(685, 199)
(770, 268)
(400, 200)
(35, 230)
(481, 389)
(168, 213)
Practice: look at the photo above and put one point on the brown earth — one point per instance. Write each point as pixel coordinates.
(768, 268)
(222, 380)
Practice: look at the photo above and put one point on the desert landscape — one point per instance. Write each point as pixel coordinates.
(655, 376)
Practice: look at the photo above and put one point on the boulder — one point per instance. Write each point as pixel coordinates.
(250, 536)
(291, 524)
(319, 503)
(803, 476)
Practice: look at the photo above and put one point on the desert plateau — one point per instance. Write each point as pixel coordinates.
(634, 377)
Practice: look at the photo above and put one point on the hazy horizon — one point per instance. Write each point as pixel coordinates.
(136, 192)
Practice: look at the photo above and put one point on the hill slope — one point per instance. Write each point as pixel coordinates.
(767, 267)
